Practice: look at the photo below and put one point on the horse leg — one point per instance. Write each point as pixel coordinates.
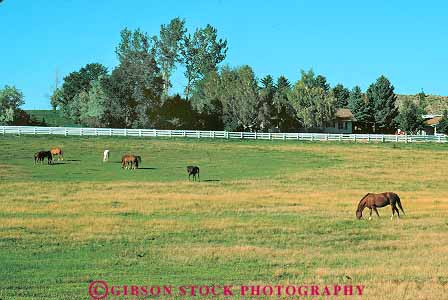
(376, 210)
(393, 212)
(398, 212)
(370, 215)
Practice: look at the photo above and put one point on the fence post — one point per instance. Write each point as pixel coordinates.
(213, 134)
(34, 130)
(298, 136)
(382, 138)
(110, 131)
(284, 136)
(65, 131)
(270, 136)
(368, 137)
(140, 133)
(125, 132)
(184, 134)
(80, 131)
(18, 131)
(340, 137)
(439, 139)
(396, 138)
(96, 132)
(171, 133)
(406, 138)
(227, 135)
(354, 138)
(255, 135)
(241, 135)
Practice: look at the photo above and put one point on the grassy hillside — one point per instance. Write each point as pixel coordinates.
(51, 118)
(269, 213)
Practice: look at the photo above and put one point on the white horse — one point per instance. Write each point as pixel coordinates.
(106, 155)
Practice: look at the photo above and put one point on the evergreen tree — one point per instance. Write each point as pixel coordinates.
(361, 109)
(381, 95)
(342, 94)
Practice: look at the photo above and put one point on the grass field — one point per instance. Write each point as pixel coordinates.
(269, 213)
(51, 118)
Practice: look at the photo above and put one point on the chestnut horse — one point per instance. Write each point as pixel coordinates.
(372, 201)
(57, 151)
(129, 161)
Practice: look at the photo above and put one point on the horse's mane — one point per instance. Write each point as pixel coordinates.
(361, 201)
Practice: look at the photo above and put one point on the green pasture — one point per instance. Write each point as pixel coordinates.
(265, 212)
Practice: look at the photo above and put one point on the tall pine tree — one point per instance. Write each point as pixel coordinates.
(381, 95)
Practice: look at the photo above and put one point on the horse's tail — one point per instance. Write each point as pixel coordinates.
(399, 204)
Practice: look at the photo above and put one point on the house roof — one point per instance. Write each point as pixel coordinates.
(433, 121)
(344, 113)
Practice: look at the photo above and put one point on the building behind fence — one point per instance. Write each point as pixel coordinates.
(74, 131)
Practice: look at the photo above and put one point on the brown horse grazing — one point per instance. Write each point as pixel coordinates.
(129, 161)
(57, 151)
(41, 155)
(372, 201)
(193, 170)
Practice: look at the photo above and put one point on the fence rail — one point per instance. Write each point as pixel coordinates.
(75, 131)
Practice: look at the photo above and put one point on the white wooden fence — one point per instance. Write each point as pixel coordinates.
(75, 131)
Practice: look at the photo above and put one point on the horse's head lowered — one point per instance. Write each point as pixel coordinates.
(361, 206)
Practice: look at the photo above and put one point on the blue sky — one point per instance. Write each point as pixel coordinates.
(349, 42)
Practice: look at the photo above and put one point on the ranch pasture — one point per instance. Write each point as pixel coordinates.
(265, 212)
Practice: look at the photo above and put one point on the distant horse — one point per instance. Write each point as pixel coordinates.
(41, 155)
(372, 201)
(193, 170)
(57, 151)
(106, 155)
(129, 161)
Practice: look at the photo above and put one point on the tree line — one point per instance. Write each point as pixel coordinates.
(135, 94)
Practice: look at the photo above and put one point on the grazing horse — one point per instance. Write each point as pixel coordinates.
(57, 151)
(193, 170)
(41, 155)
(129, 161)
(106, 155)
(372, 201)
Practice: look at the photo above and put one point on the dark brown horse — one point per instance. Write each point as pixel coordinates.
(41, 155)
(193, 170)
(373, 201)
(129, 161)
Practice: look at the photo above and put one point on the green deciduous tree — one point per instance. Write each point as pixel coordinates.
(201, 53)
(206, 100)
(10, 101)
(75, 83)
(94, 104)
(135, 85)
(314, 105)
(381, 95)
(240, 99)
(168, 49)
(442, 127)
(410, 117)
